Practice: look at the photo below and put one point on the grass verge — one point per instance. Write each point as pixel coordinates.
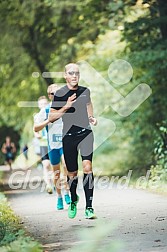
(12, 237)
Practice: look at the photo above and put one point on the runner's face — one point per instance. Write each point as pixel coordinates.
(72, 75)
(8, 139)
(42, 103)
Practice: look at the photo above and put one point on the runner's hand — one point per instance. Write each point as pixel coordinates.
(70, 101)
(93, 120)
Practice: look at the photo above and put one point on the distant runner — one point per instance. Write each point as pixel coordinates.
(42, 136)
(9, 150)
(55, 150)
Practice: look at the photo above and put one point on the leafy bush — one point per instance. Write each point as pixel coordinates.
(12, 237)
(160, 152)
(161, 146)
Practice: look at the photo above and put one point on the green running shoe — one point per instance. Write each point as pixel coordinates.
(72, 209)
(89, 213)
(60, 204)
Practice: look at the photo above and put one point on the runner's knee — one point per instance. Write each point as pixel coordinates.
(72, 175)
(87, 168)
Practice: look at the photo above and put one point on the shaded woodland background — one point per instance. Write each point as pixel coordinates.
(41, 36)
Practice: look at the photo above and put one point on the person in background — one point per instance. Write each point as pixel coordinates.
(42, 137)
(9, 150)
(55, 150)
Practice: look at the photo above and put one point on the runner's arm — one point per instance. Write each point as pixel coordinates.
(3, 149)
(92, 119)
(40, 121)
(40, 126)
(90, 109)
(56, 114)
(13, 147)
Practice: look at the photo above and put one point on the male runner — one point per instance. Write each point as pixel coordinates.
(72, 102)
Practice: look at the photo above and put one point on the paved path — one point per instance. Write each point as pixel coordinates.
(141, 217)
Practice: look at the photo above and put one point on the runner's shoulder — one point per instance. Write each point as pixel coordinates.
(62, 91)
(82, 88)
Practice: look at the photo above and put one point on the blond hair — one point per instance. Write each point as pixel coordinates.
(42, 98)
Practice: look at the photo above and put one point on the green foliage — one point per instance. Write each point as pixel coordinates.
(13, 238)
(25, 244)
(143, 26)
(161, 145)
(40, 36)
(160, 153)
(9, 220)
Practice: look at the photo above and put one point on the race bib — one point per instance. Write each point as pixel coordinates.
(56, 138)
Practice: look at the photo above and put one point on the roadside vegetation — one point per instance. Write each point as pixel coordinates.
(12, 236)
